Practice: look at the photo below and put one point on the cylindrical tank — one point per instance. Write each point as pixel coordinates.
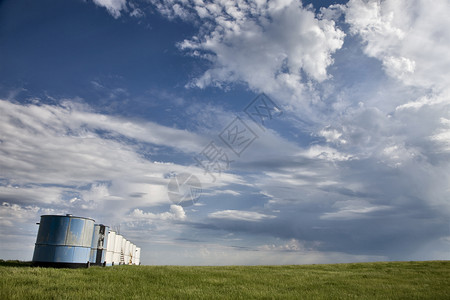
(126, 256)
(133, 254)
(117, 249)
(122, 251)
(130, 254)
(110, 248)
(63, 241)
(137, 259)
(98, 246)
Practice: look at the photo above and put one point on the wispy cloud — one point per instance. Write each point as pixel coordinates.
(238, 215)
(71, 158)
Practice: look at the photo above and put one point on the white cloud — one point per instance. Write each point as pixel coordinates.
(63, 143)
(326, 153)
(135, 10)
(266, 45)
(442, 137)
(176, 213)
(12, 212)
(353, 209)
(398, 67)
(291, 245)
(70, 158)
(239, 215)
(428, 100)
(114, 7)
(411, 38)
(332, 135)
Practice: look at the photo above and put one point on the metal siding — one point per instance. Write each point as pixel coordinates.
(137, 260)
(122, 250)
(117, 249)
(63, 254)
(109, 258)
(52, 231)
(133, 251)
(104, 243)
(80, 254)
(118, 243)
(127, 253)
(75, 234)
(122, 246)
(98, 244)
(92, 255)
(95, 236)
(94, 243)
(63, 239)
(105, 238)
(111, 241)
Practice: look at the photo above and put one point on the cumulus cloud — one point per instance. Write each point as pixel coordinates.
(114, 7)
(411, 38)
(176, 213)
(265, 44)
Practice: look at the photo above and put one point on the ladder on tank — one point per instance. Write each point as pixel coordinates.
(122, 258)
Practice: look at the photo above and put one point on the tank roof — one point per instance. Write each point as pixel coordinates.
(67, 216)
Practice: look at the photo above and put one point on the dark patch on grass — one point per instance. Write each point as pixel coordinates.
(15, 263)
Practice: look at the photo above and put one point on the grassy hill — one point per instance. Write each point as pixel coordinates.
(381, 280)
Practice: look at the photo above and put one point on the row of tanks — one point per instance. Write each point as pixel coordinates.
(69, 241)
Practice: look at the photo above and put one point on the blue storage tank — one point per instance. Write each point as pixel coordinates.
(63, 241)
(98, 246)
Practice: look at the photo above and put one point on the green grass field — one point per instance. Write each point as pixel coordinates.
(390, 280)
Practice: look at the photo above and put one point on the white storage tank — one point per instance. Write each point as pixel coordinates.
(122, 251)
(110, 248)
(137, 259)
(126, 257)
(133, 254)
(117, 249)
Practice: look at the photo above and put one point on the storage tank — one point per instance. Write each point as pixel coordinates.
(133, 254)
(130, 254)
(126, 256)
(63, 241)
(98, 246)
(117, 249)
(137, 259)
(122, 251)
(110, 248)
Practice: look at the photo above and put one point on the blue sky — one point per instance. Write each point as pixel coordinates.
(103, 103)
